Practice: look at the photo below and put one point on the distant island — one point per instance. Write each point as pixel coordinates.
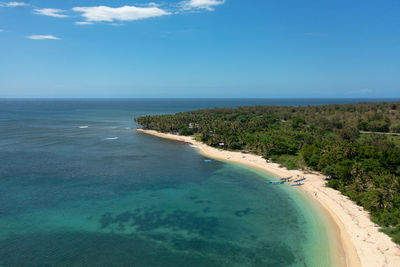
(355, 146)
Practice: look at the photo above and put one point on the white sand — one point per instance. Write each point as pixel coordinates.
(362, 243)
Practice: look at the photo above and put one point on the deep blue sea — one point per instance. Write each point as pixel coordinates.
(80, 187)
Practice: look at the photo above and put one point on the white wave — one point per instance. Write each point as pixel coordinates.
(83, 127)
(112, 138)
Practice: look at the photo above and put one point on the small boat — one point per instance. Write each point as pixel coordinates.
(207, 160)
(277, 182)
(300, 180)
(287, 178)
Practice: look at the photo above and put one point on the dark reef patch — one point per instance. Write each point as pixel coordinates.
(91, 249)
(152, 219)
(241, 213)
(206, 209)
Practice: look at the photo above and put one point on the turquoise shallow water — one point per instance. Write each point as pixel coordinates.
(104, 195)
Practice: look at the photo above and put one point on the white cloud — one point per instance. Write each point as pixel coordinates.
(83, 23)
(52, 12)
(43, 37)
(12, 4)
(124, 13)
(201, 4)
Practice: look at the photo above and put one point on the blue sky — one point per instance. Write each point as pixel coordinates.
(200, 48)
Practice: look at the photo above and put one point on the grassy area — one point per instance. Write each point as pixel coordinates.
(393, 232)
(291, 162)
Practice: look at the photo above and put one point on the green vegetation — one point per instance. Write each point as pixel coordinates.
(337, 140)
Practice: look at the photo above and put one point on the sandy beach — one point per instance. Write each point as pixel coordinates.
(362, 242)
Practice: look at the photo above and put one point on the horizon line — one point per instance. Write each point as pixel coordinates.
(185, 98)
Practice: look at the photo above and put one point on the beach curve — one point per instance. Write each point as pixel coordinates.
(361, 241)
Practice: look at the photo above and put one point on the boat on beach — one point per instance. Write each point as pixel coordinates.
(300, 180)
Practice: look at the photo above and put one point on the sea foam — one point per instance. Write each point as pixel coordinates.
(111, 138)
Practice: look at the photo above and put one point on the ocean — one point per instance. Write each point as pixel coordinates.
(80, 187)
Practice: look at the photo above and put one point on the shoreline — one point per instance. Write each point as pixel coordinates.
(360, 239)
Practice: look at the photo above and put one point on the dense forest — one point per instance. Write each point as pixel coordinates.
(355, 144)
